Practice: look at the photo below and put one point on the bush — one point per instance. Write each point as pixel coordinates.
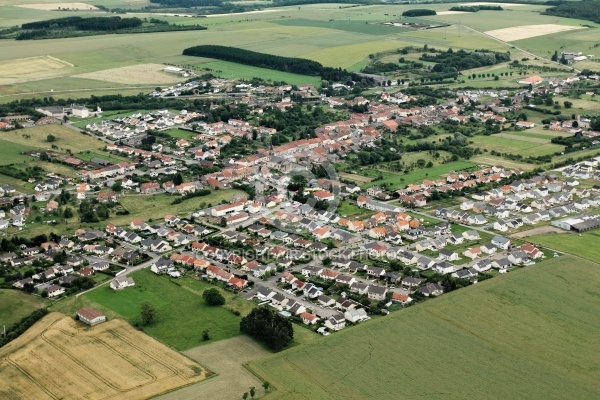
(213, 297)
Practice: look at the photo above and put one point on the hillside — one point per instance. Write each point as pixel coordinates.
(528, 334)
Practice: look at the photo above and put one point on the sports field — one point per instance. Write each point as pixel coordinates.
(15, 304)
(528, 334)
(61, 358)
(182, 314)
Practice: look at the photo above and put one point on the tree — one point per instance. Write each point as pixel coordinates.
(205, 336)
(555, 56)
(245, 396)
(178, 179)
(44, 156)
(266, 385)
(213, 297)
(223, 222)
(117, 186)
(51, 138)
(268, 326)
(148, 313)
(68, 213)
(252, 391)
(568, 104)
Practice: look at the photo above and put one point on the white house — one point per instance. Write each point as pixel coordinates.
(121, 282)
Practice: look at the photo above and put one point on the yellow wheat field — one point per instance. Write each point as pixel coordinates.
(59, 358)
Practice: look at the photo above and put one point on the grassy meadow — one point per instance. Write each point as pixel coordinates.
(583, 245)
(527, 334)
(37, 138)
(182, 315)
(15, 304)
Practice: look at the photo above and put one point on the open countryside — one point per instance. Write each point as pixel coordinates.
(503, 337)
(294, 200)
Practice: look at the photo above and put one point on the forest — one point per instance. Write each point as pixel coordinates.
(452, 61)
(86, 24)
(287, 64)
(586, 9)
(418, 12)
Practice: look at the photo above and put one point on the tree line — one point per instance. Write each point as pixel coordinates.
(476, 8)
(286, 64)
(586, 9)
(86, 24)
(418, 12)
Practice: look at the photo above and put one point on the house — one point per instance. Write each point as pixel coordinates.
(121, 282)
(411, 282)
(308, 318)
(501, 242)
(356, 315)
(466, 273)
(376, 292)
(336, 322)
(431, 289)
(90, 316)
(532, 251)
(54, 290)
(403, 299)
(161, 266)
(518, 257)
(447, 255)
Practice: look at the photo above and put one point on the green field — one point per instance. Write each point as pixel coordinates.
(400, 180)
(10, 153)
(15, 305)
(157, 206)
(524, 145)
(583, 245)
(231, 70)
(182, 315)
(528, 334)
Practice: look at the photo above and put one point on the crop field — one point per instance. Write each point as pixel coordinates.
(583, 245)
(182, 314)
(142, 73)
(57, 6)
(528, 31)
(66, 138)
(109, 360)
(32, 68)
(508, 143)
(15, 304)
(580, 40)
(525, 334)
(226, 358)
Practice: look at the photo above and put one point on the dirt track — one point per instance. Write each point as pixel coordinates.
(538, 231)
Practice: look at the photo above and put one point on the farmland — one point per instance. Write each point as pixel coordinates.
(15, 305)
(10, 153)
(527, 334)
(109, 360)
(66, 138)
(182, 315)
(333, 36)
(584, 245)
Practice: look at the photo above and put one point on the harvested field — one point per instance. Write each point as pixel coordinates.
(354, 177)
(31, 68)
(56, 6)
(226, 359)
(451, 12)
(538, 231)
(61, 358)
(529, 31)
(133, 74)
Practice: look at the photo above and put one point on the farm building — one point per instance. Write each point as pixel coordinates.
(578, 224)
(91, 316)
